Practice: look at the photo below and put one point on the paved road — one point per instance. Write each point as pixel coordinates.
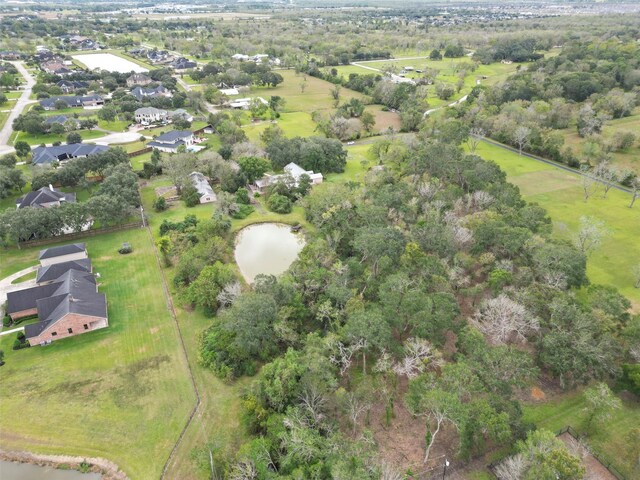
(22, 102)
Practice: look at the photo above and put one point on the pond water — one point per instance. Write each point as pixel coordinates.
(25, 471)
(267, 248)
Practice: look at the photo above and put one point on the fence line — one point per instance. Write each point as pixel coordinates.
(77, 235)
(139, 152)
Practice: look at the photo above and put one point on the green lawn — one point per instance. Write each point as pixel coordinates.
(316, 95)
(3, 118)
(122, 393)
(608, 442)
(47, 138)
(560, 193)
(294, 124)
(358, 163)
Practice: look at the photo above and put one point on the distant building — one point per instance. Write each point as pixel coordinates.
(45, 197)
(150, 115)
(183, 64)
(200, 183)
(291, 176)
(138, 79)
(70, 86)
(240, 57)
(141, 93)
(171, 141)
(86, 101)
(245, 103)
(62, 153)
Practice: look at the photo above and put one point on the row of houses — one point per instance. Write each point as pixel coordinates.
(65, 299)
(257, 59)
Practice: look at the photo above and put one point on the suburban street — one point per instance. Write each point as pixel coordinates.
(18, 106)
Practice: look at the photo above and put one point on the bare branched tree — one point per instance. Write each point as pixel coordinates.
(474, 138)
(512, 468)
(521, 137)
(589, 237)
(502, 320)
(589, 182)
(607, 175)
(344, 355)
(418, 355)
(229, 294)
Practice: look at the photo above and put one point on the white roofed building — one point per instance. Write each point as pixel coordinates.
(291, 176)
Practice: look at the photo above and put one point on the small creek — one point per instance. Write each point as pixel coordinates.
(25, 471)
(267, 248)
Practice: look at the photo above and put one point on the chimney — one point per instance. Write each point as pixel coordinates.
(51, 187)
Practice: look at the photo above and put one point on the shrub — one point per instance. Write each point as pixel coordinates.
(243, 211)
(242, 196)
(190, 196)
(20, 336)
(279, 204)
(126, 248)
(6, 321)
(160, 204)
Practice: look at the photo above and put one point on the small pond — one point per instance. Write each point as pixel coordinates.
(267, 248)
(25, 471)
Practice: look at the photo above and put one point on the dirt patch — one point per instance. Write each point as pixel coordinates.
(108, 469)
(537, 394)
(154, 330)
(595, 469)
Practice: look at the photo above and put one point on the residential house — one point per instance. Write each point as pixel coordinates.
(61, 119)
(141, 93)
(70, 86)
(52, 272)
(78, 42)
(45, 197)
(62, 153)
(159, 56)
(10, 55)
(200, 183)
(138, 79)
(245, 103)
(149, 115)
(70, 305)
(181, 113)
(85, 101)
(171, 141)
(291, 176)
(182, 64)
(63, 253)
(55, 66)
(240, 57)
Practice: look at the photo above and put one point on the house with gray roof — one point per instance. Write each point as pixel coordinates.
(72, 101)
(69, 86)
(171, 141)
(200, 183)
(63, 253)
(140, 93)
(63, 153)
(149, 115)
(70, 305)
(45, 197)
(138, 79)
(50, 273)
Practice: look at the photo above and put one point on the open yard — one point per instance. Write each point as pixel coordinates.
(122, 393)
(109, 62)
(560, 192)
(608, 442)
(48, 138)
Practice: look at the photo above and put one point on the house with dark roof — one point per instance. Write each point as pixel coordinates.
(45, 197)
(85, 101)
(171, 141)
(140, 93)
(61, 119)
(183, 63)
(62, 153)
(70, 305)
(138, 79)
(63, 253)
(52, 272)
(69, 86)
(200, 183)
(159, 56)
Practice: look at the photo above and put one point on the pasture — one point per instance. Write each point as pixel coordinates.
(560, 193)
(121, 393)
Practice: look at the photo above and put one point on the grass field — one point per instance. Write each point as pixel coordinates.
(35, 140)
(629, 158)
(121, 393)
(560, 193)
(609, 443)
(316, 95)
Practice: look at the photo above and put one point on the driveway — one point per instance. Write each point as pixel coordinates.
(22, 102)
(114, 138)
(6, 286)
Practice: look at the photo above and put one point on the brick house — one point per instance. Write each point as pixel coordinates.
(68, 306)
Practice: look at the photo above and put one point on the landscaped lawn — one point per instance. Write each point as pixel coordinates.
(294, 124)
(560, 192)
(608, 441)
(47, 138)
(122, 393)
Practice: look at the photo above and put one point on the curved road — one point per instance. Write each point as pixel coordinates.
(22, 102)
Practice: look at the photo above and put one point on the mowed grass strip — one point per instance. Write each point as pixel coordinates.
(560, 193)
(122, 393)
